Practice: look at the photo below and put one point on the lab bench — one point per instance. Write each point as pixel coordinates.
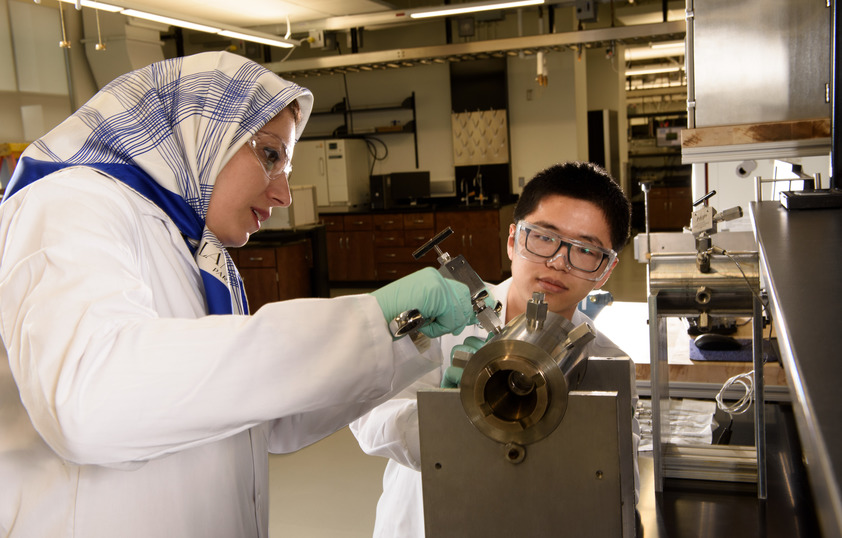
(691, 508)
(800, 257)
(800, 254)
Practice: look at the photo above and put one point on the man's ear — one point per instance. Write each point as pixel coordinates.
(604, 279)
(510, 242)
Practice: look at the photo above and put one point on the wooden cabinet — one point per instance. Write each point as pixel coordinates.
(479, 235)
(378, 247)
(396, 237)
(350, 247)
(275, 273)
(669, 208)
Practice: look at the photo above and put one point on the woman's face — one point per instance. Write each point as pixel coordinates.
(244, 194)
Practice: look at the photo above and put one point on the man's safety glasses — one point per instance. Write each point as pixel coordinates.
(272, 154)
(582, 259)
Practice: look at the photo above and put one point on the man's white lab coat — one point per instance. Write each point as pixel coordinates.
(391, 431)
(125, 411)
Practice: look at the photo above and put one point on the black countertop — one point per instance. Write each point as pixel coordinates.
(436, 204)
(801, 260)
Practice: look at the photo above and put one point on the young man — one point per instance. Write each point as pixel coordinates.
(571, 221)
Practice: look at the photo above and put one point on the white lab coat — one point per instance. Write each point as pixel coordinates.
(124, 409)
(391, 431)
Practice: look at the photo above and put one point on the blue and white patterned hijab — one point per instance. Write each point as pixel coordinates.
(166, 131)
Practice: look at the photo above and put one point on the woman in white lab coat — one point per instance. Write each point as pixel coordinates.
(139, 398)
(576, 202)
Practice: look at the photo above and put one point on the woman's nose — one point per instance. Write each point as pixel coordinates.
(279, 191)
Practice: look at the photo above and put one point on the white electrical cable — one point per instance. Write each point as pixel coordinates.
(744, 403)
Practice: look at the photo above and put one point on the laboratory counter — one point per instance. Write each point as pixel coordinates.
(801, 262)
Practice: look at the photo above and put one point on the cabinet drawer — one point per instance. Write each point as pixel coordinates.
(388, 222)
(333, 223)
(392, 271)
(357, 222)
(416, 221)
(416, 238)
(389, 239)
(394, 255)
(256, 257)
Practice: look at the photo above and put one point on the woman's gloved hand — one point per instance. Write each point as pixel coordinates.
(453, 374)
(444, 303)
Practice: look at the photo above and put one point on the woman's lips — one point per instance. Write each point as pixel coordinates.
(258, 217)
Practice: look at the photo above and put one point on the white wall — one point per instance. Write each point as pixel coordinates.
(606, 91)
(542, 119)
(34, 86)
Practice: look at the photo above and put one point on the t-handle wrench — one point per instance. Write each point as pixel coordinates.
(460, 270)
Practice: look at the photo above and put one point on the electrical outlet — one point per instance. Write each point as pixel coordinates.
(586, 10)
(521, 181)
(318, 39)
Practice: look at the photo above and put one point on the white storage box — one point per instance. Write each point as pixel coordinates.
(301, 213)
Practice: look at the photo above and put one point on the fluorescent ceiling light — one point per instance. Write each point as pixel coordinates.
(473, 8)
(266, 40)
(652, 70)
(655, 50)
(235, 33)
(96, 5)
(668, 45)
(171, 21)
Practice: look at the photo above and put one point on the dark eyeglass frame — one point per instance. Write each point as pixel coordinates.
(258, 143)
(524, 228)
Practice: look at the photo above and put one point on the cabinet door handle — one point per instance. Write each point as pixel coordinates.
(470, 240)
(348, 243)
(418, 221)
(257, 259)
(391, 255)
(390, 222)
(463, 240)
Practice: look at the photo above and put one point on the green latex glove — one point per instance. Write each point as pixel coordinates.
(444, 303)
(453, 374)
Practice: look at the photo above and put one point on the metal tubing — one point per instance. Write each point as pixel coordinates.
(835, 156)
(759, 400)
(659, 374)
(689, 66)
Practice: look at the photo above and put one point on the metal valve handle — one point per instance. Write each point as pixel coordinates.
(460, 270)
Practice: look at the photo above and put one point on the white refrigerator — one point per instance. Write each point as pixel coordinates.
(339, 169)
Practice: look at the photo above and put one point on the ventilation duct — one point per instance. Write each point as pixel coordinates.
(129, 44)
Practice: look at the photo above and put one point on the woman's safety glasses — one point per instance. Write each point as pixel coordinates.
(271, 153)
(540, 245)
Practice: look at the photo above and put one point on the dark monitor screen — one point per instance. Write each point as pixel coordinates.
(409, 187)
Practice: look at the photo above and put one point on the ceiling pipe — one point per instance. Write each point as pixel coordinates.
(628, 35)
